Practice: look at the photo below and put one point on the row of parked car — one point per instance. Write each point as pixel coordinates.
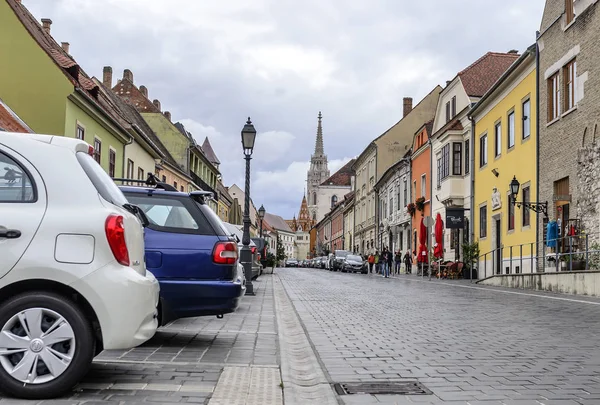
(87, 265)
(339, 260)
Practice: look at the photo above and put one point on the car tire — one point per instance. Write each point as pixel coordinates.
(76, 331)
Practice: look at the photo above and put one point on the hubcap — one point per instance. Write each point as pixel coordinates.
(36, 345)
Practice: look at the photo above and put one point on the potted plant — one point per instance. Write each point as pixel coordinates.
(411, 208)
(420, 203)
(470, 257)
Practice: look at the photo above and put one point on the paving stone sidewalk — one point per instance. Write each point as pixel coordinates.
(185, 360)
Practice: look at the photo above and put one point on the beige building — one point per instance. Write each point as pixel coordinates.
(364, 199)
(349, 242)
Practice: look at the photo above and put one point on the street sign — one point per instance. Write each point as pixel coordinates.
(455, 218)
(428, 221)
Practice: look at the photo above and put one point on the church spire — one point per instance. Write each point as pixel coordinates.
(319, 144)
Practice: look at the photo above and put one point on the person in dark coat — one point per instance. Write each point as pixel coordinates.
(408, 262)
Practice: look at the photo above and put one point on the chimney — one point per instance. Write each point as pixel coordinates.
(513, 51)
(144, 91)
(107, 76)
(407, 106)
(156, 104)
(46, 23)
(65, 46)
(128, 75)
(167, 114)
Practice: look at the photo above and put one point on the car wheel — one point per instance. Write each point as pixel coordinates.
(46, 345)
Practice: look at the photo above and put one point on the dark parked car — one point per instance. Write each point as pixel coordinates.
(189, 251)
(354, 264)
(338, 259)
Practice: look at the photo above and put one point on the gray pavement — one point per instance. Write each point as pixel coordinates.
(466, 343)
(186, 359)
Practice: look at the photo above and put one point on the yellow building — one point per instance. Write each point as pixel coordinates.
(505, 148)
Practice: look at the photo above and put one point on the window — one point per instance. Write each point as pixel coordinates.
(399, 201)
(314, 198)
(129, 169)
(445, 166)
(553, 98)
(415, 189)
(569, 12)
(334, 201)
(448, 111)
(80, 132)
(401, 237)
(498, 139)
(453, 106)
(483, 151)
(511, 215)
(175, 184)
(112, 157)
(525, 211)
(182, 189)
(15, 183)
(457, 158)
(511, 129)
(439, 173)
(405, 192)
(97, 150)
(569, 77)
(423, 185)
(164, 178)
(483, 221)
(467, 157)
(526, 119)
(391, 206)
(140, 173)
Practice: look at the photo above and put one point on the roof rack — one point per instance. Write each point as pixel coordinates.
(151, 181)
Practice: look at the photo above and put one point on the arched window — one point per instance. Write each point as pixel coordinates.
(314, 198)
(334, 200)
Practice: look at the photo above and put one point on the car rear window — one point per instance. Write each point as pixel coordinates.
(101, 180)
(213, 218)
(171, 213)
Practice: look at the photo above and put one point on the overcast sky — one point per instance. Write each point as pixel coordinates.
(214, 63)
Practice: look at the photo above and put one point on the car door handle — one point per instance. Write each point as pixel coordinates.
(10, 234)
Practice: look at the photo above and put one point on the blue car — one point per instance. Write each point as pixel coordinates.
(189, 251)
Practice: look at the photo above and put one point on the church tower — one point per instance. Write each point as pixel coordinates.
(318, 172)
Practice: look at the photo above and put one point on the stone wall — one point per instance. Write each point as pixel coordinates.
(588, 189)
(564, 282)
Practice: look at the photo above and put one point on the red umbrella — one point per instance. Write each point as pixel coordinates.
(439, 233)
(422, 256)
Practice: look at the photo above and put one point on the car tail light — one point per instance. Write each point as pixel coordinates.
(225, 253)
(115, 234)
(253, 249)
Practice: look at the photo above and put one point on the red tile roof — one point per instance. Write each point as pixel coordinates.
(342, 177)
(478, 78)
(10, 122)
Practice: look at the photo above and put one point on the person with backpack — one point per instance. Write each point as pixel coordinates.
(408, 262)
(397, 262)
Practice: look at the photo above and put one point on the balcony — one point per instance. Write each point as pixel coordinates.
(204, 186)
(452, 187)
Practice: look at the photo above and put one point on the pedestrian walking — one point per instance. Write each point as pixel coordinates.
(389, 263)
(397, 262)
(371, 261)
(376, 261)
(408, 262)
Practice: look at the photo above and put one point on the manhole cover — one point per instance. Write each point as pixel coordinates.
(397, 388)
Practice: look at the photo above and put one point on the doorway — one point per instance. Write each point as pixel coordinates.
(498, 246)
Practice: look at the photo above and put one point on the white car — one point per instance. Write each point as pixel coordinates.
(73, 279)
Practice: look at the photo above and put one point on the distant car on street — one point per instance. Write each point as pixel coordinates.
(291, 263)
(73, 280)
(354, 264)
(338, 259)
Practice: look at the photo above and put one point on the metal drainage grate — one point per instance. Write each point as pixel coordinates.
(397, 388)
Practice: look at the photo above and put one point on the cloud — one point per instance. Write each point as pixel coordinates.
(213, 64)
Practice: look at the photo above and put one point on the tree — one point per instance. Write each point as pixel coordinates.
(280, 250)
(470, 253)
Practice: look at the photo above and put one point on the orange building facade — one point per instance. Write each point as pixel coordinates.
(420, 180)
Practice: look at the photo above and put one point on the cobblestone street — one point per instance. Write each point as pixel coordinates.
(465, 343)
(307, 329)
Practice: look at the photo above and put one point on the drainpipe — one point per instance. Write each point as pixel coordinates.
(129, 142)
(537, 138)
(472, 171)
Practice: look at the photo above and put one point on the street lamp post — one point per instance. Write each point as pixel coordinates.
(533, 206)
(261, 216)
(248, 138)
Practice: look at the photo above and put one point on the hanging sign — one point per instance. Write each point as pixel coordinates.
(455, 218)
